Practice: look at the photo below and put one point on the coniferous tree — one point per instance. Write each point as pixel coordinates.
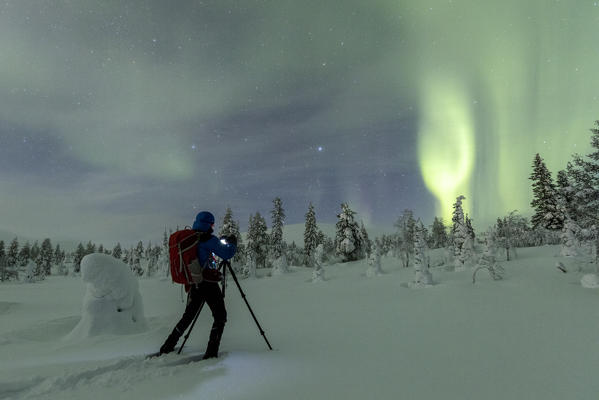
(367, 241)
(422, 274)
(438, 234)
(349, 244)
(90, 248)
(544, 200)
(79, 254)
(374, 262)
(136, 257)
(45, 257)
(487, 260)
(317, 260)
(12, 256)
(276, 236)
(101, 249)
(24, 255)
(507, 231)
(35, 251)
(117, 252)
(2, 249)
(257, 245)
(460, 234)
(57, 255)
(230, 227)
(311, 235)
(469, 228)
(406, 225)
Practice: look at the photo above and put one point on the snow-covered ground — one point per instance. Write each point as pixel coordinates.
(534, 335)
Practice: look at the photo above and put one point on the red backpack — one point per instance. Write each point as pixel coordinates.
(185, 267)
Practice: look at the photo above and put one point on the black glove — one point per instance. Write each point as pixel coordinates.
(231, 239)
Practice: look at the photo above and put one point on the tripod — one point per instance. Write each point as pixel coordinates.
(224, 265)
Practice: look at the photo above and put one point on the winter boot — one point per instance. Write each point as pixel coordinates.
(214, 342)
(170, 342)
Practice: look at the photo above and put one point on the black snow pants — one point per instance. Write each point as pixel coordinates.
(210, 293)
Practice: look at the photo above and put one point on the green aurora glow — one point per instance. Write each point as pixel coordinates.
(521, 75)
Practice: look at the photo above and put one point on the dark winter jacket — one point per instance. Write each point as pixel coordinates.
(211, 244)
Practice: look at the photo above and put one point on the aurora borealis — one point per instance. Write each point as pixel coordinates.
(109, 111)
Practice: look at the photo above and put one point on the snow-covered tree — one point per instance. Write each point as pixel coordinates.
(311, 235)
(12, 256)
(509, 231)
(35, 251)
(569, 243)
(544, 200)
(460, 235)
(276, 235)
(487, 260)
(366, 239)
(45, 257)
(24, 255)
(31, 274)
(469, 228)
(349, 244)
(90, 248)
(257, 238)
(422, 274)
(79, 254)
(58, 255)
(374, 263)
(135, 257)
(438, 236)
(406, 226)
(164, 264)
(117, 251)
(317, 255)
(230, 227)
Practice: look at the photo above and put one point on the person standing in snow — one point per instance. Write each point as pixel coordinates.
(208, 290)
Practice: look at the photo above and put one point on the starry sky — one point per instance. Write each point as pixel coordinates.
(118, 118)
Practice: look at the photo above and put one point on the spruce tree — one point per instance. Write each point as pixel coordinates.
(46, 257)
(117, 251)
(422, 274)
(58, 256)
(2, 249)
(317, 260)
(79, 254)
(24, 255)
(469, 228)
(35, 251)
(406, 225)
(311, 235)
(90, 248)
(257, 245)
(565, 195)
(544, 200)
(276, 236)
(438, 234)
(349, 244)
(366, 239)
(459, 233)
(12, 256)
(230, 227)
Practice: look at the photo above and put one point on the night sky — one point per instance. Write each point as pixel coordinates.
(118, 118)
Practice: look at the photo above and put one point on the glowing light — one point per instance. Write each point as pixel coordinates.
(446, 142)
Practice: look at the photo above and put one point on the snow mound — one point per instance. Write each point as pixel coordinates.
(590, 281)
(112, 303)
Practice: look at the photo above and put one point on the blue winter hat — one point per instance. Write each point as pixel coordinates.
(204, 221)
